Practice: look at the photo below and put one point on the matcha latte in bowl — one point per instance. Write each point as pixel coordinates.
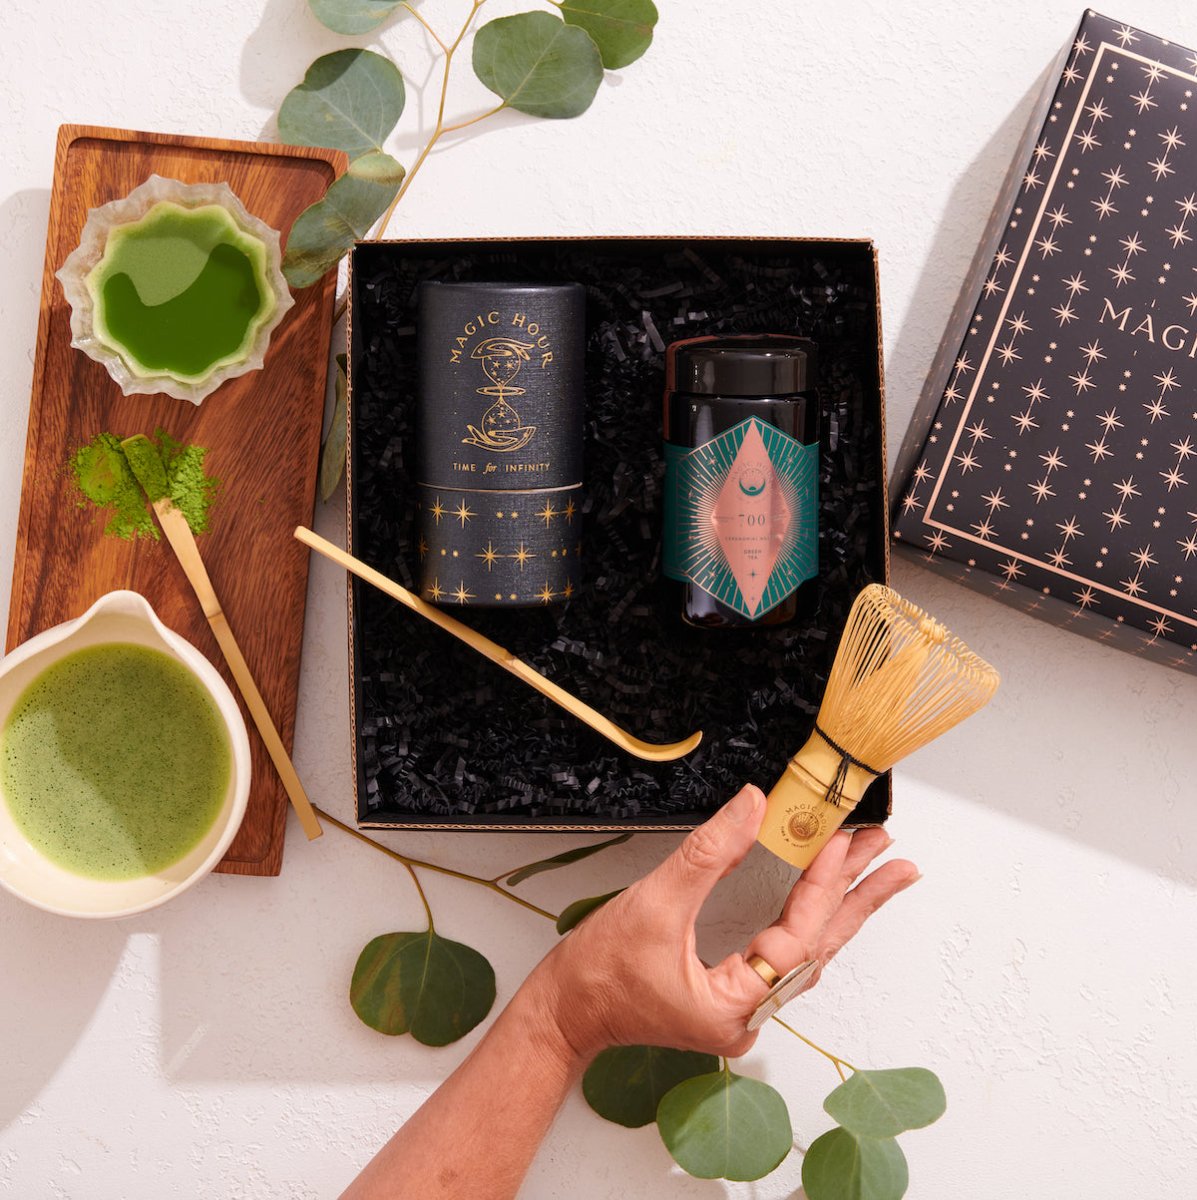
(124, 764)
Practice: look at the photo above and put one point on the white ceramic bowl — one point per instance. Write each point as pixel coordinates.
(24, 871)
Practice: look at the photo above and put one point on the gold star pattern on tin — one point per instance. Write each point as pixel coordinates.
(546, 594)
(1059, 559)
(978, 432)
(437, 510)
(1132, 587)
(1008, 354)
(1065, 313)
(547, 513)
(1172, 138)
(1143, 101)
(1085, 597)
(1075, 283)
(1003, 258)
(995, 500)
(1105, 207)
(1059, 216)
(937, 542)
(1144, 557)
(435, 591)
(1099, 449)
(522, 555)
(983, 529)
(463, 514)
(1189, 546)
(1093, 352)
(569, 510)
(1110, 420)
(1167, 381)
(1174, 479)
(1126, 488)
(921, 473)
(1115, 518)
(967, 462)
(1047, 246)
(1125, 36)
(461, 594)
(422, 548)
(1020, 324)
(568, 590)
(1041, 489)
(1012, 570)
(489, 556)
(1184, 448)
(1087, 140)
(910, 502)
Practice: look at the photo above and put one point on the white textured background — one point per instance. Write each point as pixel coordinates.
(1044, 967)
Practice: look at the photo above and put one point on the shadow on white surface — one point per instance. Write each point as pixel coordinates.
(1085, 741)
(56, 973)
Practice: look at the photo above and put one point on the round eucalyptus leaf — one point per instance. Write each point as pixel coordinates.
(422, 984)
(886, 1103)
(538, 64)
(573, 913)
(332, 453)
(841, 1165)
(353, 16)
(325, 231)
(625, 1084)
(622, 29)
(725, 1126)
(349, 100)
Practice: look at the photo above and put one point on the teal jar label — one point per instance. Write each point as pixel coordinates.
(742, 516)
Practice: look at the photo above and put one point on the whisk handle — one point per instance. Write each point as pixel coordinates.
(799, 818)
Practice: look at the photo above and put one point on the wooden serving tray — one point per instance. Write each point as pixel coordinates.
(262, 431)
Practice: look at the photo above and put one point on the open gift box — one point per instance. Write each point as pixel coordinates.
(441, 737)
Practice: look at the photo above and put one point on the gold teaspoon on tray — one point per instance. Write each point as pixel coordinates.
(649, 751)
(147, 468)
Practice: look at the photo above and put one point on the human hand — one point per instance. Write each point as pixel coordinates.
(630, 974)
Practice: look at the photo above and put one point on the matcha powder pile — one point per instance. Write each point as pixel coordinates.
(101, 471)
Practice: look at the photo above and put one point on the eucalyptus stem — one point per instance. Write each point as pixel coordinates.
(835, 1060)
(411, 863)
(423, 896)
(441, 128)
(431, 32)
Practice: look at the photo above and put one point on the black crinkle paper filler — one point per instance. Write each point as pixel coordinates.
(443, 736)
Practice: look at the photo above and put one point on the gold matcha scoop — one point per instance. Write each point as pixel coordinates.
(899, 680)
(650, 751)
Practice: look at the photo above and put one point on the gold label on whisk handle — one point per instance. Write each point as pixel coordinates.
(803, 809)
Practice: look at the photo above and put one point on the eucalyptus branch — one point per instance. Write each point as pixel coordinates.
(439, 130)
(411, 863)
(834, 1059)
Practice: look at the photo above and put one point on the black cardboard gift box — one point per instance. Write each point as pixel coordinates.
(442, 738)
(1052, 459)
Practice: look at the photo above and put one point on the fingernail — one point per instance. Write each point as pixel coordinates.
(744, 804)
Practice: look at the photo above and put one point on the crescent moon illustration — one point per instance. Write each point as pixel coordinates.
(747, 488)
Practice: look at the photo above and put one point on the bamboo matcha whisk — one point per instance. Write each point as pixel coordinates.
(899, 680)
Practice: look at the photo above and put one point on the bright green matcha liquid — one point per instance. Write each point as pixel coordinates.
(181, 291)
(114, 762)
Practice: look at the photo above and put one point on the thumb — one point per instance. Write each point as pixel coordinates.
(685, 879)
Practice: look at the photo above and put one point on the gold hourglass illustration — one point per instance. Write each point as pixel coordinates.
(501, 429)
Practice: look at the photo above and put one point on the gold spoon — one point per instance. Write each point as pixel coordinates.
(146, 466)
(503, 658)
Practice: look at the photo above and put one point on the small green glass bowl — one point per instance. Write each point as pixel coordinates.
(89, 332)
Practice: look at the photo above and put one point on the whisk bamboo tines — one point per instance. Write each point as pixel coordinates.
(899, 680)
